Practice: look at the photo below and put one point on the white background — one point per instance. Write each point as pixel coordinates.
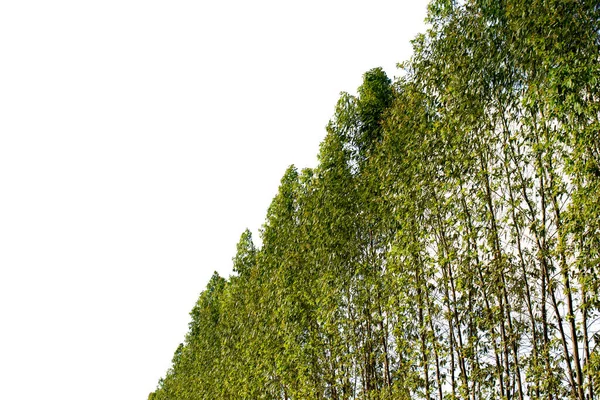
(138, 139)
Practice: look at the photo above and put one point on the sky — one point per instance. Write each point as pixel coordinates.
(138, 140)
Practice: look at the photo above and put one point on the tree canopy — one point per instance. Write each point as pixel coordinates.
(447, 245)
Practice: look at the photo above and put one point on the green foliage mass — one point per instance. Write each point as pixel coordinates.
(447, 245)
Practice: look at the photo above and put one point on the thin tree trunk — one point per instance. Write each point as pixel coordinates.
(488, 308)
(424, 359)
(567, 282)
(499, 262)
(438, 375)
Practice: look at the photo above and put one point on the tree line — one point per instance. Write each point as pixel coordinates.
(447, 244)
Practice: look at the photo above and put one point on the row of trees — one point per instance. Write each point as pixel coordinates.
(448, 243)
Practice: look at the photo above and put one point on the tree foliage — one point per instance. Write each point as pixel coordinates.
(447, 245)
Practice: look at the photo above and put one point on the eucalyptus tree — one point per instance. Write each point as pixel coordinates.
(556, 47)
(482, 64)
(241, 327)
(356, 129)
(405, 174)
(289, 304)
(335, 253)
(448, 243)
(194, 373)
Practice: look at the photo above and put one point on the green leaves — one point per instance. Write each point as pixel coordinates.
(447, 244)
